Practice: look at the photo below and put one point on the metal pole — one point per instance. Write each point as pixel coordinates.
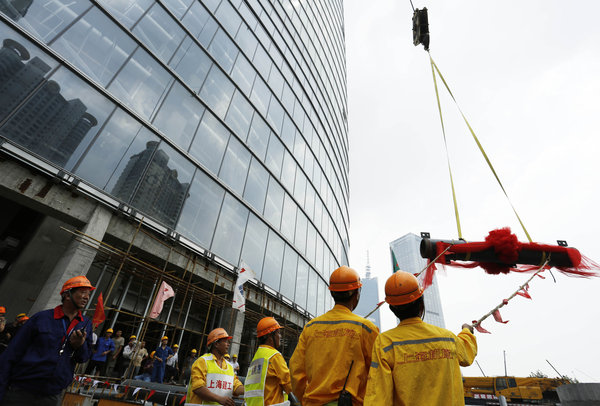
(87, 306)
(164, 330)
(483, 373)
(123, 295)
(559, 374)
(505, 373)
(146, 309)
(185, 320)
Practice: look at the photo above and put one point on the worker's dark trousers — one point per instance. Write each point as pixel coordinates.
(22, 397)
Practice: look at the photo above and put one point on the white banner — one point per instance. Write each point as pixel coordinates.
(239, 299)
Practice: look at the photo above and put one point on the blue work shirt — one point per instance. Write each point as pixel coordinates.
(162, 353)
(103, 344)
(33, 360)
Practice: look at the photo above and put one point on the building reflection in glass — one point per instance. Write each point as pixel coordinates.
(157, 189)
(47, 123)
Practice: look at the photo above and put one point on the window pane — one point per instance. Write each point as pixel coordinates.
(255, 242)
(235, 165)
(246, 40)
(209, 144)
(192, 64)
(311, 303)
(141, 83)
(179, 116)
(311, 239)
(200, 23)
(132, 166)
(319, 256)
(262, 61)
(288, 275)
(300, 186)
(159, 32)
(178, 7)
(260, 96)
(223, 50)
(201, 209)
(275, 114)
(256, 185)
(321, 292)
(276, 81)
(288, 222)
(300, 237)
(288, 172)
(243, 74)
(44, 19)
(274, 159)
(60, 120)
(258, 138)
(95, 45)
(227, 242)
(108, 148)
(301, 283)
(217, 91)
(288, 132)
(271, 273)
(128, 12)
(239, 115)
(228, 17)
(274, 203)
(164, 187)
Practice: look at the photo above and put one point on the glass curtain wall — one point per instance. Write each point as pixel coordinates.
(224, 120)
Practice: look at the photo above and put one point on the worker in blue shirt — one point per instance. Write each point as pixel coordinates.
(161, 355)
(39, 361)
(104, 346)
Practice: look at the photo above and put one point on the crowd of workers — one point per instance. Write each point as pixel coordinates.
(340, 358)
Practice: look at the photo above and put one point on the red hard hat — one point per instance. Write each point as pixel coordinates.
(266, 325)
(76, 282)
(344, 279)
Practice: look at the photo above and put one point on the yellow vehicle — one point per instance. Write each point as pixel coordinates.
(526, 390)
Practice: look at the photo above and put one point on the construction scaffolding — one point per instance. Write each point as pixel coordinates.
(130, 278)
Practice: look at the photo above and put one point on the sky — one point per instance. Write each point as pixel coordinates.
(526, 76)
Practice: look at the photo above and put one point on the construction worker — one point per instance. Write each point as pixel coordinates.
(104, 347)
(334, 346)
(417, 363)
(40, 361)
(213, 380)
(268, 375)
(162, 353)
(187, 365)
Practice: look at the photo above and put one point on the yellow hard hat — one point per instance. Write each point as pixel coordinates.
(164, 338)
(175, 346)
(402, 288)
(132, 337)
(344, 279)
(21, 315)
(227, 356)
(194, 351)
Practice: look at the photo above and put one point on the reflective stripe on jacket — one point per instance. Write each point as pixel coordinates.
(419, 364)
(325, 350)
(218, 380)
(255, 384)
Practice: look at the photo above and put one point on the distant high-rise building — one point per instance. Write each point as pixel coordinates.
(406, 252)
(369, 297)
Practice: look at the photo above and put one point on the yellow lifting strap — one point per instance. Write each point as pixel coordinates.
(435, 69)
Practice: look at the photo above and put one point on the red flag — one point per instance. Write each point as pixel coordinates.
(497, 317)
(152, 392)
(182, 399)
(164, 293)
(99, 315)
(479, 328)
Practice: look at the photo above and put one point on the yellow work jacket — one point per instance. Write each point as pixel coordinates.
(419, 364)
(322, 358)
(268, 378)
(219, 379)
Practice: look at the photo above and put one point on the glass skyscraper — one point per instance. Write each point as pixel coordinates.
(223, 121)
(406, 251)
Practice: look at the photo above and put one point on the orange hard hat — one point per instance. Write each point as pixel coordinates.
(344, 279)
(24, 318)
(217, 334)
(402, 288)
(266, 325)
(76, 282)
(2, 310)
